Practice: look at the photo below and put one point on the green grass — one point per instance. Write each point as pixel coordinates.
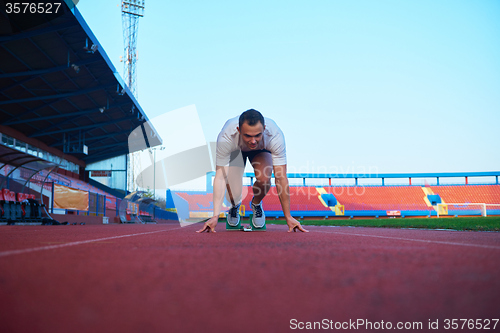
(490, 223)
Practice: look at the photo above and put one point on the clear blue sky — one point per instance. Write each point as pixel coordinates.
(386, 86)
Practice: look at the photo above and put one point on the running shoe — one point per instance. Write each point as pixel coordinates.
(233, 216)
(259, 218)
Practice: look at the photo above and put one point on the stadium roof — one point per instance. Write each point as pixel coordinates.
(58, 85)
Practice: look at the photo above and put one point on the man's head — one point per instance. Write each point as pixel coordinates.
(252, 117)
(251, 128)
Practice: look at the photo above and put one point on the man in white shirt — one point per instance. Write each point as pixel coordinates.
(261, 141)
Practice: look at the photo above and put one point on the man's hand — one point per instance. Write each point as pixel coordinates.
(209, 226)
(294, 225)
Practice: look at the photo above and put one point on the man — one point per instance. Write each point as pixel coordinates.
(261, 141)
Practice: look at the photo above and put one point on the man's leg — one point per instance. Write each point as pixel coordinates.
(263, 168)
(234, 187)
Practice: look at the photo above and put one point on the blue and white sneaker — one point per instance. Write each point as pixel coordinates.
(259, 218)
(233, 216)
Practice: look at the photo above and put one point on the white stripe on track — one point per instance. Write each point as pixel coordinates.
(52, 247)
(414, 240)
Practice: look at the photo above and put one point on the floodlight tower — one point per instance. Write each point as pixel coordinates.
(132, 10)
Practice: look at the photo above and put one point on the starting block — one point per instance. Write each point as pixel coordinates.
(241, 227)
(230, 227)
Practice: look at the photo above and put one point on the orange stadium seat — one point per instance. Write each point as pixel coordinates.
(302, 198)
(364, 200)
(489, 194)
(198, 201)
(380, 197)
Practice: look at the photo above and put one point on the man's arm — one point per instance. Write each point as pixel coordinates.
(284, 194)
(219, 188)
(218, 198)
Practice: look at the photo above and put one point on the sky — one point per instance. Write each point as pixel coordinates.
(356, 86)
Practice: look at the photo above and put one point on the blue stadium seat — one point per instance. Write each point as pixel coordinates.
(329, 199)
(434, 199)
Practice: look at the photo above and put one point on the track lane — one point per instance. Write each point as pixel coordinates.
(181, 281)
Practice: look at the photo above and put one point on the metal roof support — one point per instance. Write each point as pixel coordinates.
(94, 138)
(18, 158)
(71, 117)
(36, 32)
(17, 167)
(68, 130)
(33, 110)
(8, 154)
(98, 157)
(57, 96)
(61, 115)
(19, 83)
(111, 145)
(110, 135)
(49, 70)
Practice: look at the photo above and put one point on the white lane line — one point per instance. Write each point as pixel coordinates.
(52, 247)
(414, 240)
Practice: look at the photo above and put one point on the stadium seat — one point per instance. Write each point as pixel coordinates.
(22, 199)
(329, 199)
(9, 204)
(360, 200)
(2, 211)
(434, 199)
(198, 201)
(36, 207)
(374, 198)
(488, 194)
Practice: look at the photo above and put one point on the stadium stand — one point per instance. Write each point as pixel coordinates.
(380, 198)
(303, 199)
(19, 207)
(375, 201)
(488, 194)
(63, 106)
(198, 201)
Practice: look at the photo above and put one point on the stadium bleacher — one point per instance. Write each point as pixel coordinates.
(488, 194)
(375, 201)
(198, 201)
(20, 208)
(303, 198)
(380, 197)
(42, 129)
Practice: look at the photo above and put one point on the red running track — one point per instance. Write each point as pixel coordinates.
(164, 278)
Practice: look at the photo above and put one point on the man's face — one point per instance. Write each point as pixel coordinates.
(251, 135)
